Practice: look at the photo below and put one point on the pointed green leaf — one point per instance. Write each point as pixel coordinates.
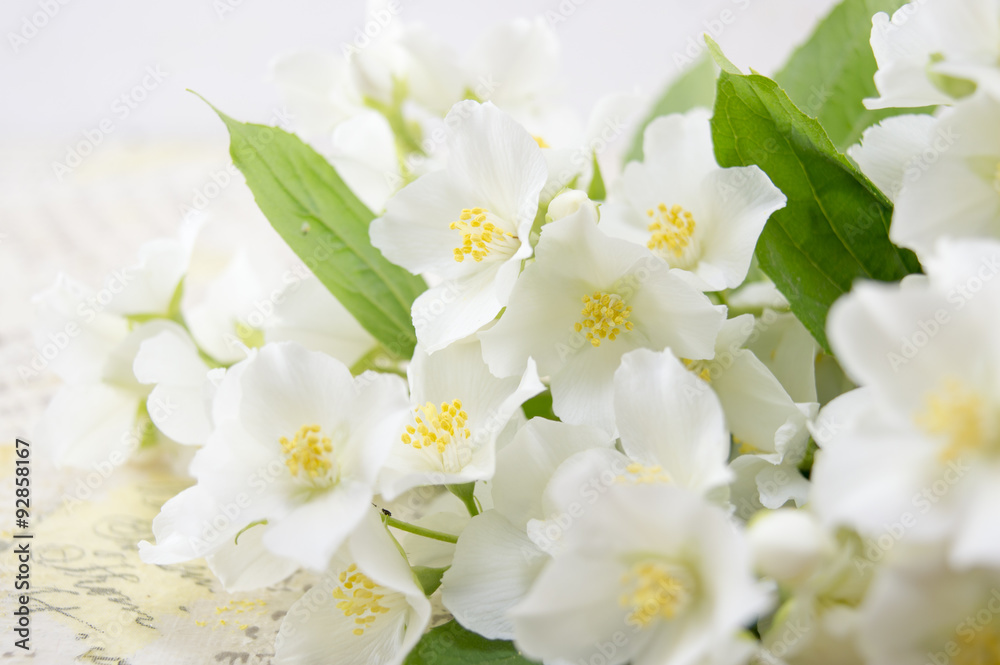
(450, 644)
(830, 75)
(325, 224)
(834, 229)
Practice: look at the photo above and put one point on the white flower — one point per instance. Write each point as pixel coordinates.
(171, 361)
(586, 301)
(922, 611)
(821, 581)
(957, 191)
(297, 442)
(768, 427)
(935, 51)
(671, 427)
(100, 412)
(919, 445)
(495, 562)
(104, 419)
(648, 574)
(469, 224)
(367, 610)
(699, 218)
(458, 410)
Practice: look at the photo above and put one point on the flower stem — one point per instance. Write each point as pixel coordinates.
(419, 530)
(466, 492)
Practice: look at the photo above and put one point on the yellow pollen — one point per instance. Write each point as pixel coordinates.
(359, 598)
(306, 453)
(700, 368)
(479, 235)
(437, 426)
(605, 316)
(653, 591)
(637, 474)
(671, 229)
(745, 448)
(541, 142)
(956, 414)
(981, 649)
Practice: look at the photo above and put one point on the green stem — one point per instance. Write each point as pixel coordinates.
(419, 530)
(466, 492)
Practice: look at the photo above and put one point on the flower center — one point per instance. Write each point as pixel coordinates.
(655, 590)
(957, 415)
(307, 455)
(480, 236)
(605, 316)
(638, 474)
(983, 649)
(672, 230)
(441, 431)
(700, 368)
(359, 598)
(542, 143)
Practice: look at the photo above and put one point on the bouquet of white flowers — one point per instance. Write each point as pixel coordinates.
(516, 404)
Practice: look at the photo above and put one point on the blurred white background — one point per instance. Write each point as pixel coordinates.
(65, 64)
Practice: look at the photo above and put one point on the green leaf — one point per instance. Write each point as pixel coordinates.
(429, 578)
(830, 75)
(694, 87)
(596, 191)
(450, 644)
(324, 223)
(834, 229)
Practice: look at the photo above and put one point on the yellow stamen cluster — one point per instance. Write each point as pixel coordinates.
(604, 316)
(540, 141)
(700, 368)
(358, 598)
(435, 426)
(653, 593)
(671, 229)
(956, 414)
(479, 236)
(637, 474)
(307, 452)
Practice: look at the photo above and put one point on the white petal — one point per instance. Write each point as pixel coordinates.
(501, 161)
(741, 202)
(887, 149)
(313, 531)
(414, 232)
(669, 417)
(89, 424)
(248, 565)
(573, 607)
(74, 333)
(526, 464)
(310, 315)
(494, 566)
